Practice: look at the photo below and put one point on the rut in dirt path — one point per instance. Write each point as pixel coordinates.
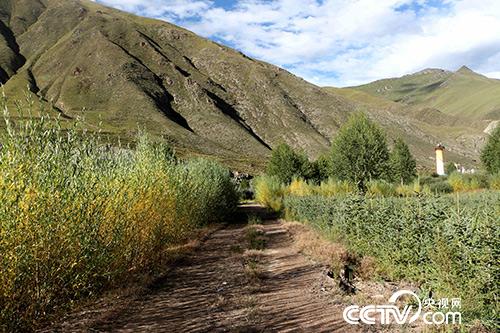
(212, 291)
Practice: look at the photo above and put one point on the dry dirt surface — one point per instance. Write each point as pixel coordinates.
(226, 286)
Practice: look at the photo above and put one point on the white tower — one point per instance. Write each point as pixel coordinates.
(440, 159)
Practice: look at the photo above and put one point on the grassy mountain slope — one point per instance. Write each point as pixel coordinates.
(408, 89)
(421, 128)
(463, 93)
(126, 71)
(123, 72)
(468, 94)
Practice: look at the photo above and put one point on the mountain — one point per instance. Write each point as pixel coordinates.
(122, 73)
(422, 127)
(126, 71)
(463, 93)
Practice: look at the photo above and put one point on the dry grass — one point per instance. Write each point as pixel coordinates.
(255, 237)
(254, 272)
(252, 257)
(252, 310)
(333, 255)
(313, 245)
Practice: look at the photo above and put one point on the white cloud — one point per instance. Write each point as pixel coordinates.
(346, 42)
(493, 75)
(166, 9)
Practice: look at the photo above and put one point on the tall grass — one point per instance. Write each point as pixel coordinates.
(76, 216)
(299, 187)
(415, 188)
(269, 192)
(380, 188)
(494, 182)
(332, 187)
(463, 182)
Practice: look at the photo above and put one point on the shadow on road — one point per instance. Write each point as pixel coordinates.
(254, 209)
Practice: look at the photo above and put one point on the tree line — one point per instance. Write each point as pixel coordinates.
(360, 153)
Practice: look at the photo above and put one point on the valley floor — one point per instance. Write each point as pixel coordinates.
(224, 286)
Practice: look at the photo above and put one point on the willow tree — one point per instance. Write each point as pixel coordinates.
(359, 152)
(403, 166)
(490, 155)
(285, 164)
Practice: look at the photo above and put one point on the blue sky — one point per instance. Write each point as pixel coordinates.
(344, 42)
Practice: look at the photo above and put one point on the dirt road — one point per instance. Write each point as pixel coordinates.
(226, 286)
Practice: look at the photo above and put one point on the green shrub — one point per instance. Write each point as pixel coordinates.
(323, 168)
(441, 188)
(214, 189)
(448, 243)
(490, 155)
(430, 180)
(443, 184)
(450, 168)
(467, 182)
(77, 216)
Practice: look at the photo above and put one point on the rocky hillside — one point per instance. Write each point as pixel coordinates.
(122, 73)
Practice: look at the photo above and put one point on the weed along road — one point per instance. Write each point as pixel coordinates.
(241, 278)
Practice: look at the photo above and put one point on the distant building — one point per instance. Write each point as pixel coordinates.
(440, 159)
(461, 169)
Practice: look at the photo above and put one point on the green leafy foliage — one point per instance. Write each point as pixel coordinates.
(359, 152)
(403, 166)
(441, 187)
(286, 164)
(448, 244)
(323, 167)
(450, 168)
(77, 215)
(490, 155)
